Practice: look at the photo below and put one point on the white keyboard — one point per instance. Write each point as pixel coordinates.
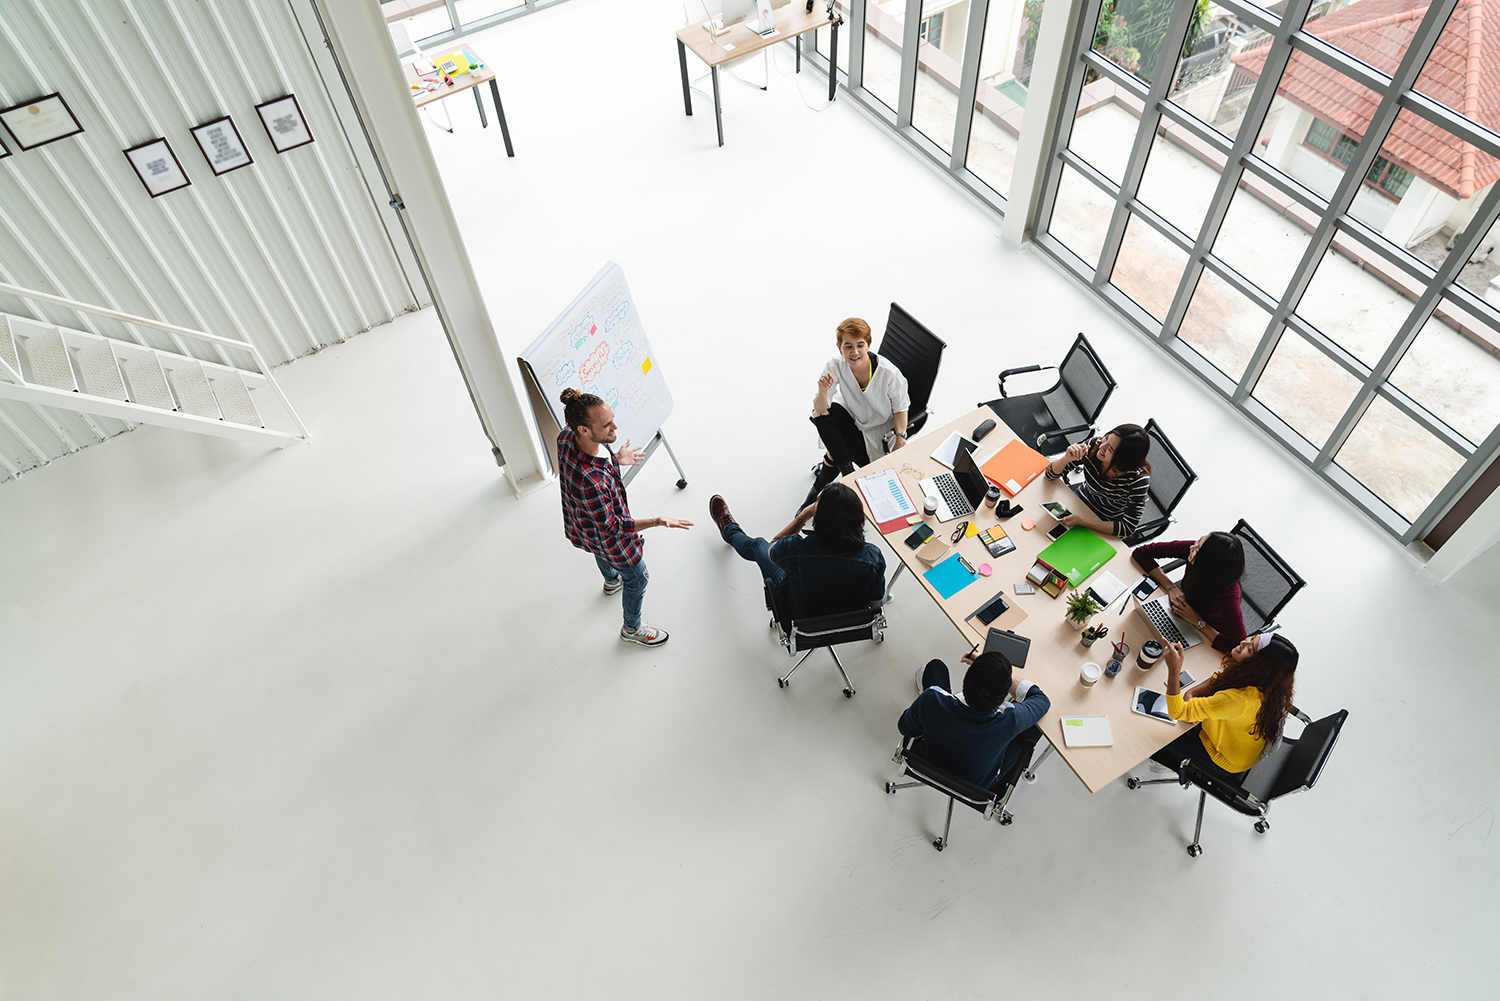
(958, 504)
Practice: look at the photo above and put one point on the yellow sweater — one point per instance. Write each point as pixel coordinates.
(1227, 718)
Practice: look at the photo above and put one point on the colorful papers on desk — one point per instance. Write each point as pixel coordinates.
(1013, 467)
(951, 576)
(889, 504)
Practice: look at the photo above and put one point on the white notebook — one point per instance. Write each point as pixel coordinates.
(1087, 731)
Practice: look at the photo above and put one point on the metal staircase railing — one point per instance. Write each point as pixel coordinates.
(54, 366)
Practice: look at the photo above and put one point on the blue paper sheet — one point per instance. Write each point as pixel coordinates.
(950, 577)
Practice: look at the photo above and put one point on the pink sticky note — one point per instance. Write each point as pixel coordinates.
(985, 569)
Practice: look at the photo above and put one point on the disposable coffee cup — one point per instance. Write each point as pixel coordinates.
(1088, 674)
(929, 508)
(1150, 653)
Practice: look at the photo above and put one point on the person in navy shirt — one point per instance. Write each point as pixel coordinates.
(978, 735)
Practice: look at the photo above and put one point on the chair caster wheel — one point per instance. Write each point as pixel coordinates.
(890, 788)
(1028, 778)
(848, 693)
(1262, 826)
(1132, 783)
(1006, 820)
(1194, 851)
(782, 682)
(938, 844)
(681, 484)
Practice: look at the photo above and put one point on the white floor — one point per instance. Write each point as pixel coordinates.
(349, 721)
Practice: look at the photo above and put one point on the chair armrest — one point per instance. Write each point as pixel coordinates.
(1147, 531)
(1041, 439)
(1020, 371)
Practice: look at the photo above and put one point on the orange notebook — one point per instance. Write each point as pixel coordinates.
(1013, 467)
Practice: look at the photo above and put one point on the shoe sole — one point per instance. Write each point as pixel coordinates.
(639, 642)
(614, 590)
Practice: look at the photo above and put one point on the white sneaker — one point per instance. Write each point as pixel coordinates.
(614, 586)
(645, 636)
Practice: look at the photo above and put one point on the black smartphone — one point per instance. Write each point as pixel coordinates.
(921, 535)
(992, 609)
(1057, 532)
(1144, 589)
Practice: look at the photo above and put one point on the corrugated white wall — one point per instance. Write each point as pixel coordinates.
(291, 252)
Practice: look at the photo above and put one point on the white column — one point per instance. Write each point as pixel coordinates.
(1049, 70)
(367, 58)
(1474, 537)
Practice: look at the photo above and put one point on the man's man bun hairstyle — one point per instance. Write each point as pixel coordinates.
(577, 407)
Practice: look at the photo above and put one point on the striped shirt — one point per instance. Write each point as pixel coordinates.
(1121, 499)
(596, 516)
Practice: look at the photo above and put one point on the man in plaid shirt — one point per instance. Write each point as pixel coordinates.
(596, 516)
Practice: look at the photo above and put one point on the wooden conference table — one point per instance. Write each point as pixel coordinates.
(1056, 653)
(465, 81)
(792, 21)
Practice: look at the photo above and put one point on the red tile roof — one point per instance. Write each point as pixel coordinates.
(1462, 73)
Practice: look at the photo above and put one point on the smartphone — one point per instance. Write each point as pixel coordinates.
(992, 609)
(1055, 509)
(1185, 679)
(1057, 532)
(921, 535)
(1144, 589)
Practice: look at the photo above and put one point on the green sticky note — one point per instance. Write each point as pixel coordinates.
(1072, 722)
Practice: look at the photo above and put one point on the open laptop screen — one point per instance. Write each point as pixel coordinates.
(970, 480)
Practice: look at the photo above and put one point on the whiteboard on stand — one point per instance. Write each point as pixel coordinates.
(597, 345)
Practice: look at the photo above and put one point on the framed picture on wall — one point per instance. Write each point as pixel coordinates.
(284, 123)
(4, 152)
(39, 122)
(222, 146)
(157, 167)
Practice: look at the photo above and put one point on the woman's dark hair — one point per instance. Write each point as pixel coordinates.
(1271, 670)
(577, 407)
(1130, 454)
(839, 521)
(987, 682)
(1219, 563)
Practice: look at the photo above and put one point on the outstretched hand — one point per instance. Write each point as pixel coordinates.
(676, 523)
(628, 456)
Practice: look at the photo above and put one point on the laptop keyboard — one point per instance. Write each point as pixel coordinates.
(1163, 623)
(958, 504)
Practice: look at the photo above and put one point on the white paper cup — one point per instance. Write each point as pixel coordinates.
(1089, 673)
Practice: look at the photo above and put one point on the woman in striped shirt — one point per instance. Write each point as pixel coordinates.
(1115, 477)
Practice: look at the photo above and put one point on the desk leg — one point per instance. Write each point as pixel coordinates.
(687, 99)
(718, 111)
(799, 53)
(500, 115)
(833, 61)
(484, 122)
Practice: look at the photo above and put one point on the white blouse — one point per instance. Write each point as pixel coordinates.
(872, 406)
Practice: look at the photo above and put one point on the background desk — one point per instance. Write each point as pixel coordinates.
(1056, 653)
(792, 21)
(467, 81)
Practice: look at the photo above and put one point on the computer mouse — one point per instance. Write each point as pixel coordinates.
(983, 429)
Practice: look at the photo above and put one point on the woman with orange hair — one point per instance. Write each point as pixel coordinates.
(861, 400)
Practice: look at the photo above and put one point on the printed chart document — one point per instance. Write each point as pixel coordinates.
(1087, 731)
(889, 504)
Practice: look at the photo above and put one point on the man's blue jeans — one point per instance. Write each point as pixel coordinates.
(635, 578)
(757, 551)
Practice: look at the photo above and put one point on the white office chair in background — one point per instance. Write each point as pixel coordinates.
(765, 54)
(405, 47)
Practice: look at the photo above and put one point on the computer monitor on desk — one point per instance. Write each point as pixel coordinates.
(736, 11)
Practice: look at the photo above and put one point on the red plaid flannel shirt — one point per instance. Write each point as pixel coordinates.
(596, 516)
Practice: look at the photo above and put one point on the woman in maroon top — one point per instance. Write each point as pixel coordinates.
(1209, 596)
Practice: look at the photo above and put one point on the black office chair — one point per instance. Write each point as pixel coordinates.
(1065, 414)
(1269, 583)
(987, 802)
(1170, 478)
(917, 352)
(824, 631)
(1292, 766)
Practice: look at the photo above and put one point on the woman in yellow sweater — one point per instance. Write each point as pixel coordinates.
(1238, 711)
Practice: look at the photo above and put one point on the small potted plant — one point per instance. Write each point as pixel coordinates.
(1081, 607)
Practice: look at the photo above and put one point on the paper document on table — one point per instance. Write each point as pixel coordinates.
(887, 499)
(1087, 731)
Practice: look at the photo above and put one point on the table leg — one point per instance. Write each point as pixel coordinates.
(687, 99)
(718, 111)
(484, 122)
(833, 61)
(500, 115)
(799, 53)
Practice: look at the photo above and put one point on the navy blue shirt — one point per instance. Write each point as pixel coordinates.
(966, 742)
(822, 582)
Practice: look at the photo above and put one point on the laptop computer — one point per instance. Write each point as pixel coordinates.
(960, 492)
(1165, 623)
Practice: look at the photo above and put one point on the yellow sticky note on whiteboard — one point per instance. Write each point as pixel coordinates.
(646, 366)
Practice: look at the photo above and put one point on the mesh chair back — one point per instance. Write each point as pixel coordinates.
(924, 771)
(1086, 380)
(916, 351)
(1269, 582)
(1170, 475)
(1309, 753)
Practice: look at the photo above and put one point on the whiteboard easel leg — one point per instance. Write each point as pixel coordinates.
(646, 453)
(681, 476)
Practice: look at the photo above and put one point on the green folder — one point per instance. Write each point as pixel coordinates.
(1077, 554)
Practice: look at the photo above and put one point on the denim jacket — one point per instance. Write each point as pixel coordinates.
(819, 582)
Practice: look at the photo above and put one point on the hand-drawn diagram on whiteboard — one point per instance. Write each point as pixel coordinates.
(599, 346)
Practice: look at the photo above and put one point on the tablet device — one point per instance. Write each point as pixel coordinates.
(1144, 589)
(1149, 703)
(921, 535)
(1055, 509)
(1014, 647)
(992, 609)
